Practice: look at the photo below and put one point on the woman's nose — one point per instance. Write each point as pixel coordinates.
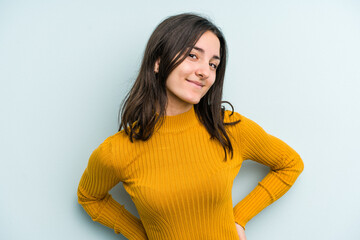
(202, 71)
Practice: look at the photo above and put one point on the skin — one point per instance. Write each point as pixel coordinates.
(199, 68)
(191, 80)
(241, 232)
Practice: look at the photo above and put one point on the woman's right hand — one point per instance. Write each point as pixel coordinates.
(241, 232)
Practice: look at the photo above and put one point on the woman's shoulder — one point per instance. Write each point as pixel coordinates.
(107, 144)
(240, 121)
(114, 144)
(244, 120)
(232, 116)
(119, 138)
(119, 145)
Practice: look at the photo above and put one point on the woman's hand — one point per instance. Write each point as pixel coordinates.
(240, 231)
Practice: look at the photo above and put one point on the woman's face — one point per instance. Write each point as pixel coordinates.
(191, 79)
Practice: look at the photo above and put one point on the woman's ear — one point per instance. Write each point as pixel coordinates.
(156, 67)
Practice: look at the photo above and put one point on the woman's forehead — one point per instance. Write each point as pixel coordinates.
(208, 43)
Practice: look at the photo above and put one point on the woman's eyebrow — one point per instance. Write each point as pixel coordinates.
(202, 51)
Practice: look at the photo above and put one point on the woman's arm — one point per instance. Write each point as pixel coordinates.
(285, 166)
(97, 180)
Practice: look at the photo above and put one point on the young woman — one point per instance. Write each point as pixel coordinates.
(178, 150)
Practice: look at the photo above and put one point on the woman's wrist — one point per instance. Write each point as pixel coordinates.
(239, 226)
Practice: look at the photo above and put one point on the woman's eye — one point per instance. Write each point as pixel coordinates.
(213, 65)
(192, 55)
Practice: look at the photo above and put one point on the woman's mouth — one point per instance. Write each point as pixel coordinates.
(196, 84)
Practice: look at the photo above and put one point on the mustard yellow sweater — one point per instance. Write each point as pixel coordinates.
(179, 182)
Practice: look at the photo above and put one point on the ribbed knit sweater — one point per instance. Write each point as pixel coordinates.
(179, 181)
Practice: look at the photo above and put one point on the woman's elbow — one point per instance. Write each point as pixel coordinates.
(84, 199)
(90, 205)
(299, 164)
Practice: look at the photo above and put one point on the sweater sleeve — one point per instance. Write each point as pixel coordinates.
(97, 180)
(285, 166)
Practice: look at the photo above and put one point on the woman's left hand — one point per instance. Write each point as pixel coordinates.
(241, 232)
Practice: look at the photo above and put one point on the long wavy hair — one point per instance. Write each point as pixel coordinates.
(171, 42)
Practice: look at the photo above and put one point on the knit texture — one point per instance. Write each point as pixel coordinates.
(179, 182)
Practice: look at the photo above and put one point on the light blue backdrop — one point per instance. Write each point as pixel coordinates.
(65, 66)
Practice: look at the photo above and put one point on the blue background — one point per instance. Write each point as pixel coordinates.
(65, 66)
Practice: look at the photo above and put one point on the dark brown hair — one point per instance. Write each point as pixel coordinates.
(171, 42)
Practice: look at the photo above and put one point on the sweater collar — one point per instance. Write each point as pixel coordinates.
(180, 122)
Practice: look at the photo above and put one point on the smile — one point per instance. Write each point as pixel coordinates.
(196, 84)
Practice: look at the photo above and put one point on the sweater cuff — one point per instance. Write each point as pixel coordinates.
(251, 205)
(241, 224)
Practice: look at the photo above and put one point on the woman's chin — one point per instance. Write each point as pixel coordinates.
(193, 101)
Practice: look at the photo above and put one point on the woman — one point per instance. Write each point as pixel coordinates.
(178, 151)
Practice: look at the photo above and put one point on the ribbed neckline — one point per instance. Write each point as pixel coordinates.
(180, 122)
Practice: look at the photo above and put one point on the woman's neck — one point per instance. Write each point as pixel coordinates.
(173, 110)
